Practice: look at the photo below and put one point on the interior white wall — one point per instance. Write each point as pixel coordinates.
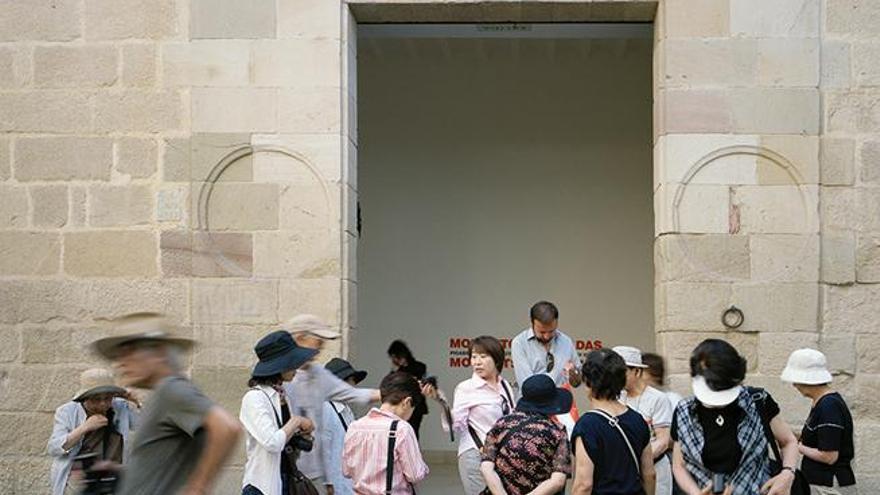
(495, 173)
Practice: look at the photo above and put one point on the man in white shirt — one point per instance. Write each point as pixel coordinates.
(544, 349)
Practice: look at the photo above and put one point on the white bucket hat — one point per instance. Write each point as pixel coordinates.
(313, 325)
(631, 356)
(714, 398)
(807, 367)
(96, 381)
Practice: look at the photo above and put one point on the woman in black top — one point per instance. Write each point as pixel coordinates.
(402, 359)
(827, 436)
(723, 432)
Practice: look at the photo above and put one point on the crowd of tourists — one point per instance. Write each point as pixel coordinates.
(302, 435)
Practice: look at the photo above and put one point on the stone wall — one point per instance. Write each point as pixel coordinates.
(197, 157)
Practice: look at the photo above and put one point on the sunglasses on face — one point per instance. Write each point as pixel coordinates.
(551, 362)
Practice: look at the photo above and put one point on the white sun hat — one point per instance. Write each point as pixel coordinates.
(714, 398)
(313, 325)
(631, 356)
(807, 367)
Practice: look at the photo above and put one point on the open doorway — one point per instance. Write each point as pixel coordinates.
(499, 165)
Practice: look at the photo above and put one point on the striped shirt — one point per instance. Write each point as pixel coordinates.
(365, 453)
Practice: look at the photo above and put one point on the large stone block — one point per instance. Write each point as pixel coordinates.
(226, 345)
(316, 158)
(44, 21)
(869, 163)
(52, 344)
(115, 206)
(37, 388)
(297, 254)
(46, 111)
(321, 297)
(195, 159)
(851, 309)
(39, 301)
(234, 109)
(781, 18)
(790, 62)
(232, 19)
(136, 157)
(692, 209)
(840, 351)
(309, 207)
(110, 254)
(838, 257)
(310, 110)
(775, 110)
(29, 253)
(709, 62)
(139, 65)
(10, 343)
(172, 204)
(692, 306)
(777, 307)
(299, 63)
(126, 19)
(75, 66)
(853, 18)
(235, 302)
(774, 349)
(139, 111)
(50, 206)
(14, 479)
(223, 384)
(799, 164)
(206, 254)
(687, 111)
(25, 433)
(206, 63)
(5, 160)
(16, 66)
(701, 258)
(310, 19)
(78, 207)
(679, 154)
(863, 403)
(838, 208)
(852, 112)
(868, 258)
(677, 346)
(784, 258)
(111, 299)
(837, 165)
(243, 206)
(13, 207)
(866, 63)
(836, 64)
(867, 206)
(696, 18)
(63, 158)
(775, 209)
(867, 357)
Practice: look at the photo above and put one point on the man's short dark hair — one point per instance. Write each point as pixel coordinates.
(544, 312)
(719, 363)
(399, 385)
(604, 371)
(486, 344)
(656, 366)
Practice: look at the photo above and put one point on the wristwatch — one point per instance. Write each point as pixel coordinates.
(787, 468)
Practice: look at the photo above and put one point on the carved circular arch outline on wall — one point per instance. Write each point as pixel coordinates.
(217, 171)
(778, 160)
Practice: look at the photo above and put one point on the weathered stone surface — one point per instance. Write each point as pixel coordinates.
(10, 473)
(321, 297)
(300, 254)
(235, 301)
(223, 384)
(50, 205)
(691, 306)
(25, 433)
(221, 345)
(29, 253)
(40, 301)
(232, 19)
(75, 66)
(788, 62)
(205, 254)
(111, 299)
(309, 19)
(206, 63)
(78, 213)
(676, 347)
(243, 206)
(782, 18)
(867, 358)
(869, 165)
(866, 59)
(37, 388)
(16, 66)
(299, 63)
(171, 204)
(776, 209)
(195, 159)
(835, 64)
(63, 158)
(10, 343)
(863, 403)
(851, 309)
(784, 258)
(840, 351)
(51, 344)
(775, 110)
(777, 307)
(774, 349)
(310, 110)
(111, 206)
(701, 209)
(852, 112)
(13, 207)
(136, 157)
(696, 18)
(125, 19)
(318, 158)
(868, 258)
(46, 111)
(838, 257)
(800, 153)
(853, 18)
(139, 65)
(709, 62)
(867, 449)
(837, 161)
(701, 258)
(867, 206)
(688, 111)
(44, 21)
(5, 160)
(110, 254)
(234, 109)
(838, 208)
(308, 207)
(139, 111)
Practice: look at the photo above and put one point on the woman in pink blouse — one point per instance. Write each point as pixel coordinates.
(478, 403)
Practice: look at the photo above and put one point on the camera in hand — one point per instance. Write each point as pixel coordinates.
(717, 483)
(303, 443)
(430, 380)
(96, 481)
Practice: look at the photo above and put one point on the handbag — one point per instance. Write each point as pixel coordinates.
(298, 483)
(800, 485)
(389, 459)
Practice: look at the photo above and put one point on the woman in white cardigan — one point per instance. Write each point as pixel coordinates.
(266, 417)
(97, 421)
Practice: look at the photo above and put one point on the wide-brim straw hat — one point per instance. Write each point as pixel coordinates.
(313, 325)
(141, 328)
(807, 367)
(96, 381)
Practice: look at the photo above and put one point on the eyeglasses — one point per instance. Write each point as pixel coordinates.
(551, 362)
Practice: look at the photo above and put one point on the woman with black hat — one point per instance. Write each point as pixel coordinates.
(266, 418)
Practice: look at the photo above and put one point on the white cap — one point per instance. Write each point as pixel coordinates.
(715, 398)
(313, 325)
(630, 355)
(807, 367)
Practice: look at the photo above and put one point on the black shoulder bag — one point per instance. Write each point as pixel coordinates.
(508, 399)
(800, 485)
(298, 483)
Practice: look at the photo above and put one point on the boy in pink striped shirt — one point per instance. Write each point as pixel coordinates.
(365, 454)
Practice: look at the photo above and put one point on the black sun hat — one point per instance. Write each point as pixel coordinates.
(278, 353)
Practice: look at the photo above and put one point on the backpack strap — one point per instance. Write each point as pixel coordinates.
(613, 422)
(338, 415)
(389, 463)
(272, 405)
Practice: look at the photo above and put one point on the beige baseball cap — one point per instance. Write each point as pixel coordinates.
(311, 324)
